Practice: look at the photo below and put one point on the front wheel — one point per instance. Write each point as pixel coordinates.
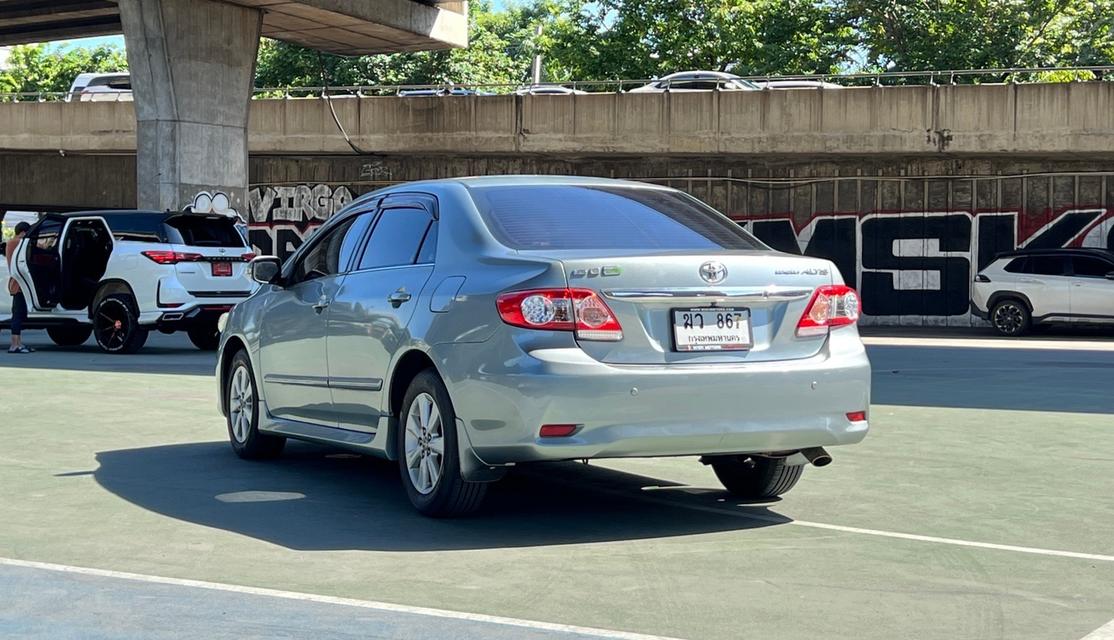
(243, 413)
(428, 458)
(1010, 318)
(69, 336)
(116, 325)
(205, 337)
(756, 477)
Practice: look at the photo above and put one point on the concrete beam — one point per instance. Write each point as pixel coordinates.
(192, 64)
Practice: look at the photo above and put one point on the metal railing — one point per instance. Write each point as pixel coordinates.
(817, 81)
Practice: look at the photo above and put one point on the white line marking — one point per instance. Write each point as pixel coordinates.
(990, 343)
(346, 602)
(1105, 632)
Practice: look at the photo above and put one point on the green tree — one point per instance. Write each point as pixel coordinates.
(640, 39)
(983, 34)
(35, 68)
(500, 51)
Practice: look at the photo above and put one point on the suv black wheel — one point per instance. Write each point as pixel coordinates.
(69, 336)
(205, 337)
(116, 324)
(242, 399)
(756, 477)
(1010, 317)
(428, 458)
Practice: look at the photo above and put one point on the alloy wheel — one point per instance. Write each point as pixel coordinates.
(1009, 318)
(424, 444)
(113, 324)
(241, 404)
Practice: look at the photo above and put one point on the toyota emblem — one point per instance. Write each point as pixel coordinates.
(713, 272)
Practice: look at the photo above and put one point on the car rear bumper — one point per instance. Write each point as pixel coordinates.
(652, 410)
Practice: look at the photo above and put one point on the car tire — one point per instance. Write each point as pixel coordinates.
(756, 477)
(116, 324)
(69, 336)
(1010, 317)
(205, 337)
(432, 479)
(242, 415)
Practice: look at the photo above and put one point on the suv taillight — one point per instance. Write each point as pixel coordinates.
(579, 310)
(171, 257)
(834, 305)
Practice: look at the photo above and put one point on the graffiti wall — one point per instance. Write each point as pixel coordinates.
(911, 246)
(280, 217)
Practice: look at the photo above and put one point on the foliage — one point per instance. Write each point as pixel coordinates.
(500, 51)
(37, 67)
(983, 34)
(644, 38)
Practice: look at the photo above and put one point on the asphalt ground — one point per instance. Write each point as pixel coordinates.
(979, 507)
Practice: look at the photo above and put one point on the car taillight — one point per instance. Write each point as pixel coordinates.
(579, 310)
(171, 257)
(981, 278)
(834, 305)
(248, 257)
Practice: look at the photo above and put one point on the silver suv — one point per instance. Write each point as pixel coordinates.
(1045, 286)
(463, 326)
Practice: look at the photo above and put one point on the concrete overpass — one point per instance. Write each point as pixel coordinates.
(193, 61)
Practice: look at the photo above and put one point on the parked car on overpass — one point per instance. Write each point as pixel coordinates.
(795, 84)
(462, 326)
(441, 91)
(94, 87)
(1045, 286)
(697, 81)
(549, 90)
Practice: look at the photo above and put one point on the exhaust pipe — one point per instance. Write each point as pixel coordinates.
(817, 456)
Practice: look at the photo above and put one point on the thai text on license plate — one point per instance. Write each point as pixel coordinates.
(712, 329)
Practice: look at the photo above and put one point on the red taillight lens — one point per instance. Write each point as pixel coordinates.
(171, 257)
(857, 416)
(248, 257)
(579, 310)
(834, 305)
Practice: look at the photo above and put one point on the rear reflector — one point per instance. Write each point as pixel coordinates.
(557, 430)
(857, 416)
(834, 305)
(579, 310)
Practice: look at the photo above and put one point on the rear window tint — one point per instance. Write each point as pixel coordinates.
(581, 217)
(1017, 265)
(204, 231)
(1046, 265)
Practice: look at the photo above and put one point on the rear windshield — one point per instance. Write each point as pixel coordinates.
(202, 231)
(594, 217)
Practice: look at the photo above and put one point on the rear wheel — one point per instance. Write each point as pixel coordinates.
(1010, 317)
(428, 457)
(243, 413)
(756, 477)
(205, 337)
(116, 324)
(69, 336)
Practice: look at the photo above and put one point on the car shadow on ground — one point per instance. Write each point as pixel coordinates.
(315, 498)
(162, 354)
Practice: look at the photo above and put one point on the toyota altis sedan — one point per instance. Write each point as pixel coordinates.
(464, 326)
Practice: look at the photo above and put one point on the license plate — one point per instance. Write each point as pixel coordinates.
(222, 268)
(711, 329)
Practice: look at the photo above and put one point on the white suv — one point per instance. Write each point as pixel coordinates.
(119, 274)
(1034, 286)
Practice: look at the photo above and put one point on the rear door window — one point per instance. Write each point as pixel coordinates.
(396, 238)
(1088, 267)
(204, 231)
(1017, 265)
(606, 218)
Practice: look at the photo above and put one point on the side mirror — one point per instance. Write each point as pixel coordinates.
(265, 269)
(1110, 276)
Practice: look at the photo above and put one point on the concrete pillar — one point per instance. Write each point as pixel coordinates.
(192, 67)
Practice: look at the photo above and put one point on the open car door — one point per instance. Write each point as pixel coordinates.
(37, 265)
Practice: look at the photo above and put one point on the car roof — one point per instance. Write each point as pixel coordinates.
(506, 181)
(700, 74)
(1065, 251)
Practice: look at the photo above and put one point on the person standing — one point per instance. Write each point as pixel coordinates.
(19, 302)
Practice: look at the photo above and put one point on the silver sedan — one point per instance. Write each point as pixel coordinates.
(464, 326)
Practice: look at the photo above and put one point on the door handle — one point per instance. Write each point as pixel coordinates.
(321, 305)
(398, 297)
